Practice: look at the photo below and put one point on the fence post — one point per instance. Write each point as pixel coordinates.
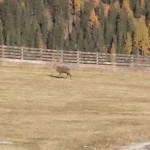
(132, 61)
(3, 52)
(99, 58)
(96, 58)
(78, 58)
(21, 53)
(62, 54)
(1, 58)
(41, 52)
(113, 58)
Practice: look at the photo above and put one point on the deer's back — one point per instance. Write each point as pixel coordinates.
(63, 69)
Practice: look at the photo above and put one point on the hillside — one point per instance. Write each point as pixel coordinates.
(114, 26)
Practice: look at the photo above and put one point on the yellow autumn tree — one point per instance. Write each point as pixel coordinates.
(126, 5)
(93, 19)
(106, 9)
(141, 38)
(96, 3)
(128, 44)
(22, 4)
(142, 2)
(76, 5)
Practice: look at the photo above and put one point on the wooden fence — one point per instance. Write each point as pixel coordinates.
(73, 57)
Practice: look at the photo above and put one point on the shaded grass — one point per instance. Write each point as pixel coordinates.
(103, 110)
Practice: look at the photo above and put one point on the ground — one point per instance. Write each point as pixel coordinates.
(137, 146)
(96, 109)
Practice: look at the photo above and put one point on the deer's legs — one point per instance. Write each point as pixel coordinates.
(67, 76)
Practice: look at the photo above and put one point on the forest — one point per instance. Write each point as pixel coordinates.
(105, 26)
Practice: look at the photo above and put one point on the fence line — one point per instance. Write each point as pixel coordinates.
(73, 57)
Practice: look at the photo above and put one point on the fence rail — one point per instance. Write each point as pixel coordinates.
(72, 57)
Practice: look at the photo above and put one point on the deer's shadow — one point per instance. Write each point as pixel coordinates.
(54, 76)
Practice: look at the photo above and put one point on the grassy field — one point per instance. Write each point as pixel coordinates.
(94, 110)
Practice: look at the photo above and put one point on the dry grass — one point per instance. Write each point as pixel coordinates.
(94, 109)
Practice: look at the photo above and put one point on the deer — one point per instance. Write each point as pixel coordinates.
(62, 69)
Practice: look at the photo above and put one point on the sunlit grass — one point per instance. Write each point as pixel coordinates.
(96, 109)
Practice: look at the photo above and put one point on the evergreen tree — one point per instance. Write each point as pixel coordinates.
(99, 10)
(1, 33)
(137, 10)
(37, 9)
(109, 33)
(147, 11)
(89, 25)
(8, 38)
(85, 28)
(39, 39)
(76, 36)
(56, 37)
(73, 40)
(122, 24)
(132, 4)
(100, 39)
(44, 30)
(18, 24)
(5, 18)
(130, 25)
(80, 41)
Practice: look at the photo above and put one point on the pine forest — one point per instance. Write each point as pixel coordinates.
(106, 26)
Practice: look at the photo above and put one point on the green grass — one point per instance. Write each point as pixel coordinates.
(100, 109)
